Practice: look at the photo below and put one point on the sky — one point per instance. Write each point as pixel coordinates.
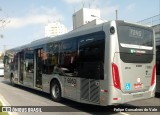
(25, 20)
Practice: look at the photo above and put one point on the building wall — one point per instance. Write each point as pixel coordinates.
(84, 16)
(54, 29)
(157, 32)
(155, 23)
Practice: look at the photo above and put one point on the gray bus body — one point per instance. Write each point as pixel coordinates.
(157, 67)
(107, 64)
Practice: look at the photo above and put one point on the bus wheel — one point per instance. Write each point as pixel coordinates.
(12, 80)
(55, 91)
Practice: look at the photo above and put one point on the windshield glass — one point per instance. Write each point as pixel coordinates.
(135, 37)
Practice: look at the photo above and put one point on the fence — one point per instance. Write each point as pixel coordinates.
(152, 21)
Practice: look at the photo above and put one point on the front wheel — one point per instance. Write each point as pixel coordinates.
(56, 91)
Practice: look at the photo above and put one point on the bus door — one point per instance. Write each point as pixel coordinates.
(38, 79)
(29, 68)
(21, 72)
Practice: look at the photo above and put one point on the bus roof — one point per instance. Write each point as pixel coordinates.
(71, 34)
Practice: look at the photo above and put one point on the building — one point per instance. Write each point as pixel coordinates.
(154, 22)
(54, 29)
(86, 16)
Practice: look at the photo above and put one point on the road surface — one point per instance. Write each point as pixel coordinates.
(21, 96)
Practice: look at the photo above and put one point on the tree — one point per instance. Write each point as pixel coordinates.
(4, 20)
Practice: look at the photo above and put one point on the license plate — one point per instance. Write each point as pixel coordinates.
(137, 95)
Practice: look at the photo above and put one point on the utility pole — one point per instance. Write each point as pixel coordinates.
(116, 14)
(4, 46)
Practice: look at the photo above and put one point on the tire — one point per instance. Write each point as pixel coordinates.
(12, 80)
(55, 91)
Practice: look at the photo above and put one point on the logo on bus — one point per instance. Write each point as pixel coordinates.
(138, 80)
(138, 86)
(137, 51)
(128, 86)
(71, 81)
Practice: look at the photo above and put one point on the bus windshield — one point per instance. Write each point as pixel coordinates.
(135, 44)
(135, 37)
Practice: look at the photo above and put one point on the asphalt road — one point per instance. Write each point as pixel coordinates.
(21, 96)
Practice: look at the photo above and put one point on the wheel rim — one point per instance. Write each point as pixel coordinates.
(55, 91)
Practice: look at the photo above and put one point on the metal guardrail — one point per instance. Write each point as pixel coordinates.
(152, 21)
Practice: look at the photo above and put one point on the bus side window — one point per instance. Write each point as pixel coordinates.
(50, 58)
(68, 57)
(91, 56)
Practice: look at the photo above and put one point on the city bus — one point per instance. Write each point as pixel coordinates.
(157, 67)
(107, 64)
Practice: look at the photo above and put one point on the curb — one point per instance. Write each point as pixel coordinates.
(5, 103)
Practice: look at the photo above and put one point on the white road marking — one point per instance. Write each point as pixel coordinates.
(5, 103)
(122, 113)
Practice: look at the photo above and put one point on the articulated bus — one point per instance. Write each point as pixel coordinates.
(158, 67)
(107, 64)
